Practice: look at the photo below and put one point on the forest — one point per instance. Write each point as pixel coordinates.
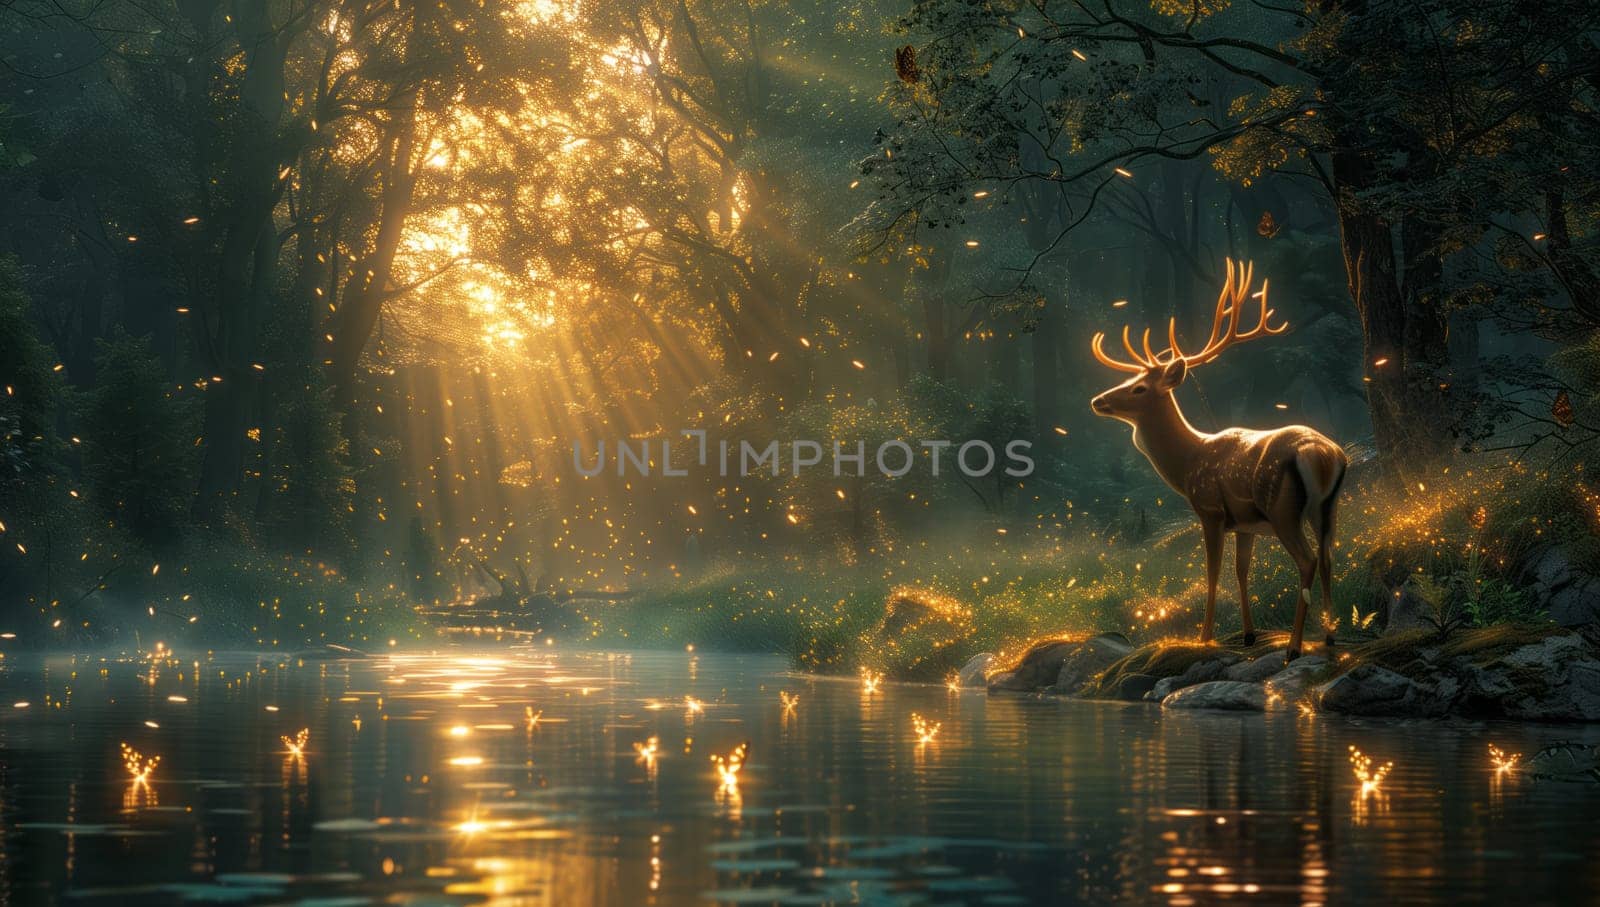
(305, 306)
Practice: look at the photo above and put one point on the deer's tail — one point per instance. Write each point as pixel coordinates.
(1321, 472)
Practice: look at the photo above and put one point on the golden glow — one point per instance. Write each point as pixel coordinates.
(926, 731)
(296, 746)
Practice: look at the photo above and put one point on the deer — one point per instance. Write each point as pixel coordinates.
(1245, 481)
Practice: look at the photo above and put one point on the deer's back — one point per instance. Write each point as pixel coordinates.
(1244, 475)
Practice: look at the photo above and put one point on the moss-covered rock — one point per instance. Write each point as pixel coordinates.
(1173, 658)
(1510, 671)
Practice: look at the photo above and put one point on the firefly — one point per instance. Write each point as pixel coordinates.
(693, 705)
(953, 683)
(925, 730)
(870, 681)
(296, 745)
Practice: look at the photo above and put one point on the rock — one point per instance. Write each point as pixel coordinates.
(1133, 687)
(1556, 679)
(1229, 695)
(1566, 762)
(1199, 672)
(1571, 593)
(1377, 691)
(1088, 661)
(1001, 681)
(1259, 669)
(972, 673)
(1037, 669)
(328, 652)
(1292, 680)
(1407, 610)
(1044, 665)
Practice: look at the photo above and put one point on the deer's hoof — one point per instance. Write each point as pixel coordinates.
(1249, 638)
(1329, 641)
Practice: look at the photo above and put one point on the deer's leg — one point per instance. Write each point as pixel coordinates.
(1325, 566)
(1211, 529)
(1294, 542)
(1244, 544)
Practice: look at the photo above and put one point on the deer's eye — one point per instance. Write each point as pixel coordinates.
(1138, 388)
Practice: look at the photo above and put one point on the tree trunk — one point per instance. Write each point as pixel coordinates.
(1046, 377)
(358, 314)
(1407, 384)
(246, 264)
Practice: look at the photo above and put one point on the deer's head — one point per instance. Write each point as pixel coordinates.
(1155, 375)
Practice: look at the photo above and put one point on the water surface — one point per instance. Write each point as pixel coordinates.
(424, 781)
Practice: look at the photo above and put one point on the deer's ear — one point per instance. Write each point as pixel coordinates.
(1172, 374)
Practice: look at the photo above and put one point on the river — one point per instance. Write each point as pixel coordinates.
(513, 775)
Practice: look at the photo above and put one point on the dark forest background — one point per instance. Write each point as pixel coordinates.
(303, 303)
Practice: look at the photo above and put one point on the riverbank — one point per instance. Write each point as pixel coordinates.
(1523, 672)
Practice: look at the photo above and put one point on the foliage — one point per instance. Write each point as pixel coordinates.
(139, 460)
(27, 387)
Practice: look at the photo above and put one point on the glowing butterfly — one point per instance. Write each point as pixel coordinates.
(870, 681)
(905, 64)
(139, 767)
(729, 766)
(1561, 410)
(953, 683)
(532, 717)
(647, 750)
(791, 701)
(296, 745)
(1371, 777)
(926, 730)
(1504, 762)
(693, 706)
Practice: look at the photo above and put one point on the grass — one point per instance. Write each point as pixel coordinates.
(919, 610)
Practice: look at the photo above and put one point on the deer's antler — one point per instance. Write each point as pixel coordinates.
(1139, 363)
(1224, 327)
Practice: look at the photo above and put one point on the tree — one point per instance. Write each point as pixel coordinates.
(1378, 105)
(139, 458)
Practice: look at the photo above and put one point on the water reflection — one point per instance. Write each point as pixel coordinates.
(536, 776)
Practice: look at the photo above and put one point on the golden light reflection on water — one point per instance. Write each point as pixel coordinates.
(1036, 798)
